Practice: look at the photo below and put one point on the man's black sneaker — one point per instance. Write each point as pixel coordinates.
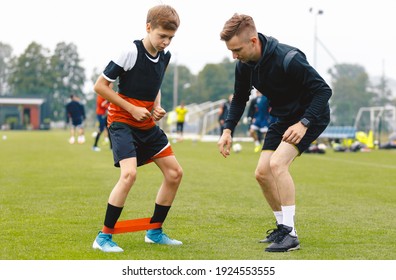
(284, 242)
(271, 235)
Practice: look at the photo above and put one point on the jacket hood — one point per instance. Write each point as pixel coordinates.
(269, 45)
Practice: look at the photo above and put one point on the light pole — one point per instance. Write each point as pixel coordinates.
(315, 13)
(175, 85)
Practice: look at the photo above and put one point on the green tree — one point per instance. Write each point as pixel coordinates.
(184, 80)
(5, 56)
(30, 74)
(215, 81)
(91, 95)
(350, 85)
(68, 76)
(382, 93)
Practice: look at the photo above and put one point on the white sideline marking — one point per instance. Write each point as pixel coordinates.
(359, 163)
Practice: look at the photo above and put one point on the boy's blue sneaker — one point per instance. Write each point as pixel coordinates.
(158, 237)
(104, 243)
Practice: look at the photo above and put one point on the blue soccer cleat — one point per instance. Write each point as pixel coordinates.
(156, 236)
(105, 243)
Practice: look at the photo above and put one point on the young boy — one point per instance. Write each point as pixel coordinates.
(136, 139)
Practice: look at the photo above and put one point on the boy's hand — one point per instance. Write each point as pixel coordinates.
(158, 113)
(140, 113)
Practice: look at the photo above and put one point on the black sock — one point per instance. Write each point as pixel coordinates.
(97, 139)
(112, 215)
(160, 213)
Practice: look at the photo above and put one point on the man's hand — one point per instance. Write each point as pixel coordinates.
(225, 143)
(158, 113)
(294, 133)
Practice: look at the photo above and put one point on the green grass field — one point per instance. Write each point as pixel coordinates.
(53, 197)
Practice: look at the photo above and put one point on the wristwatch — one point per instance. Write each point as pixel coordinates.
(305, 122)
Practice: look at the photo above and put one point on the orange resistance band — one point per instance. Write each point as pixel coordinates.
(135, 225)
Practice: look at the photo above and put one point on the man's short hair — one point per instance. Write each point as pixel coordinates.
(238, 25)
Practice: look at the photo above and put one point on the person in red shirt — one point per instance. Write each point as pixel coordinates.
(101, 115)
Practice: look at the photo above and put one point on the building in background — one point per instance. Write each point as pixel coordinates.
(22, 113)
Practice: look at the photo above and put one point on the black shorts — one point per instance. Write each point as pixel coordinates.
(275, 132)
(179, 126)
(129, 142)
(78, 123)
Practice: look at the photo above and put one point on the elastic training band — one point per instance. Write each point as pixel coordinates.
(135, 225)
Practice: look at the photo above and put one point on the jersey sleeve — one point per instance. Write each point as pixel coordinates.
(303, 73)
(121, 63)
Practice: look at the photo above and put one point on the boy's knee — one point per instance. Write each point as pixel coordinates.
(179, 173)
(129, 177)
(176, 174)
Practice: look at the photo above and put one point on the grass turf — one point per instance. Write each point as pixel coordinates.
(53, 197)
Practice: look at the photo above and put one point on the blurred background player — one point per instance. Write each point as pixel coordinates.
(75, 112)
(101, 116)
(260, 119)
(223, 112)
(181, 112)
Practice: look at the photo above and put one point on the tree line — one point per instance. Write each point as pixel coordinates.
(54, 76)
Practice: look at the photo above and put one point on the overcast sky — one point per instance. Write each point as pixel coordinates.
(351, 31)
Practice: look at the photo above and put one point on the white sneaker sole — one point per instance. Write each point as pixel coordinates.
(95, 246)
(148, 240)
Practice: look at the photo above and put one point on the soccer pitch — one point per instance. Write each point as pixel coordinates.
(53, 197)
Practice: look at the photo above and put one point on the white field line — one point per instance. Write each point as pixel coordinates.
(377, 165)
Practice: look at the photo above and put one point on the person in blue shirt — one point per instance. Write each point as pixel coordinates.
(223, 112)
(75, 114)
(260, 119)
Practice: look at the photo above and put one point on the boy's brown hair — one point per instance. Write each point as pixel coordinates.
(163, 16)
(238, 25)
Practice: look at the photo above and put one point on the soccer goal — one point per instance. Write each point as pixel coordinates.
(378, 119)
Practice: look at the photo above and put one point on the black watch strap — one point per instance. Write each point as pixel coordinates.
(305, 122)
